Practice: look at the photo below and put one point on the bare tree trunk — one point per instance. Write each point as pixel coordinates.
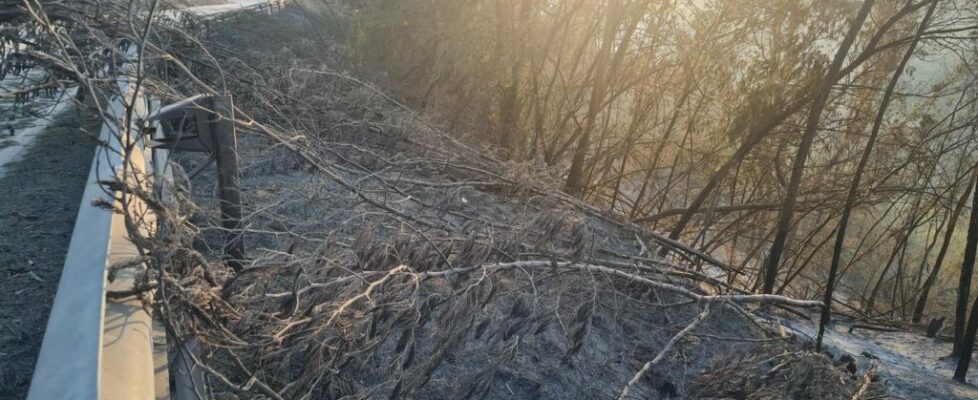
(811, 128)
(912, 224)
(818, 248)
(575, 175)
(918, 310)
(658, 150)
(766, 127)
(967, 343)
(964, 284)
(918, 279)
(738, 156)
(609, 59)
(509, 115)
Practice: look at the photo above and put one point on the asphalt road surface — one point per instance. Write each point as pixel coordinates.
(39, 198)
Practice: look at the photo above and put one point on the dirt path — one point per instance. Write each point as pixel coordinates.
(914, 366)
(39, 198)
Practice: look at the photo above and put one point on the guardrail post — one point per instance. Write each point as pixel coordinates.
(187, 376)
(228, 179)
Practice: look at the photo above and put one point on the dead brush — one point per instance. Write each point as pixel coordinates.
(317, 323)
(770, 372)
(418, 304)
(359, 286)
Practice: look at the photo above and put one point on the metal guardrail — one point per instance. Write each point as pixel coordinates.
(269, 7)
(95, 348)
(193, 19)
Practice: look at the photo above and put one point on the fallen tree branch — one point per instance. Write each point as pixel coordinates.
(665, 350)
(878, 328)
(539, 264)
(864, 387)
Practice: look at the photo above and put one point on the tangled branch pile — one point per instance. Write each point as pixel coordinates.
(772, 373)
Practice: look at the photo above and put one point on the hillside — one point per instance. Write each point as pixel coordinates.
(621, 199)
(474, 277)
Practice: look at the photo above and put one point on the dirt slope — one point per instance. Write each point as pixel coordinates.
(411, 265)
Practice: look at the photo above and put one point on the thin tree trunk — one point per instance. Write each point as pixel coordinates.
(658, 150)
(768, 126)
(918, 279)
(854, 186)
(604, 69)
(900, 246)
(918, 310)
(738, 156)
(794, 274)
(811, 128)
(967, 344)
(508, 116)
(964, 284)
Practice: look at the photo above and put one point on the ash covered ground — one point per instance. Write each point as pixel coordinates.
(390, 259)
